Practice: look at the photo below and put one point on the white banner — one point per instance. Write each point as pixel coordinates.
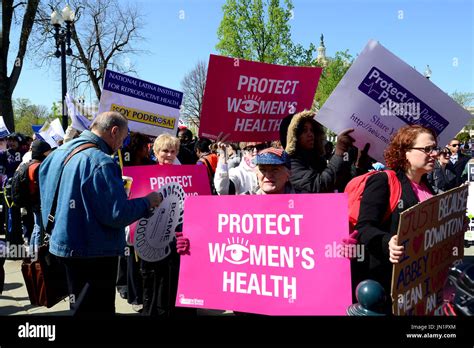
(52, 132)
(151, 109)
(3, 128)
(380, 93)
(153, 235)
(79, 121)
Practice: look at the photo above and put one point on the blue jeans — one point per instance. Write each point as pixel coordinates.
(37, 235)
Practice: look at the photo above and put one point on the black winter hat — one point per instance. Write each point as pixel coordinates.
(16, 136)
(38, 148)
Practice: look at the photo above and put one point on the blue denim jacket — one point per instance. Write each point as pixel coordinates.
(92, 210)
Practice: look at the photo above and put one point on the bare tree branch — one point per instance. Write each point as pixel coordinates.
(193, 85)
(103, 33)
(19, 4)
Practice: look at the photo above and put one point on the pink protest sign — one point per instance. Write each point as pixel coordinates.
(267, 254)
(146, 179)
(248, 99)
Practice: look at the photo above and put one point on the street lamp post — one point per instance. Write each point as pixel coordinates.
(63, 39)
(427, 72)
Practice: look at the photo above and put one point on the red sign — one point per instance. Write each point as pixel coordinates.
(248, 100)
(146, 179)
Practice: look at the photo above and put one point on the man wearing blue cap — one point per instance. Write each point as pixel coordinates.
(273, 172)
(273, 175)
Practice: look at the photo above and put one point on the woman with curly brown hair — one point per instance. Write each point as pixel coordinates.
(411, 154)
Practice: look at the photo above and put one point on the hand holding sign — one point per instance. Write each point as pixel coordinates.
(363, 159)
(348, 245)
(155, 199)
(344, 141)
(222, 144)
(182, 244)
(396, 251)
(222, 137)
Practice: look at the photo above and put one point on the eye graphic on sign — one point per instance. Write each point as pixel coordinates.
(238, 252)
(249, 105)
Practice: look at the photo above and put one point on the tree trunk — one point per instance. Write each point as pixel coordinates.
(6, 107)
(6, 110)
(8, 83)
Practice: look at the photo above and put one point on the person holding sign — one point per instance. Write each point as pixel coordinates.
(273, 172)
(241, 178)
(85, 207)
(411, 154)
(160, 278)
(273, 176)
(310, 173)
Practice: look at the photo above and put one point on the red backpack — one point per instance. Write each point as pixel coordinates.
(355, 189)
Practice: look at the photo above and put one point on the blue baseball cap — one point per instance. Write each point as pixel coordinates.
(273, 156)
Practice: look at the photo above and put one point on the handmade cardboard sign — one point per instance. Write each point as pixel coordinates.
(432, 234)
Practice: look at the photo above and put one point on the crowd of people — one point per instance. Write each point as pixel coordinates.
(83, 206)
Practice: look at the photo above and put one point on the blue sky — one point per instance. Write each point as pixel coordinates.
(435, 32)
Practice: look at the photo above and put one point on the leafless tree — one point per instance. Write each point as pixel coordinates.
(12, 15)
(103, 36)
(193, 85)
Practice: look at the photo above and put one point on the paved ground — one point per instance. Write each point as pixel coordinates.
(469, 251)
(15, 301)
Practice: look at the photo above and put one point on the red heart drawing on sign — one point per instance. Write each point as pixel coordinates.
(417, 241)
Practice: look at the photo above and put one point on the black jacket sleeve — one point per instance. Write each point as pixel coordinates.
(437, 179)
(306, 179)
(373, 231)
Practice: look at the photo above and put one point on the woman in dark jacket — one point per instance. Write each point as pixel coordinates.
(310, 172)
(442, 178)
(412, 154)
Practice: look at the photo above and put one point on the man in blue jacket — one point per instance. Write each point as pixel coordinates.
(92, 212)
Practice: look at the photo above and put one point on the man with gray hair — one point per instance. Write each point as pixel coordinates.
(85, 208)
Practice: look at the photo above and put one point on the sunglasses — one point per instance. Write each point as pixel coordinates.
(445, 152)
(258, 147)
(428, 149)
(454, 145)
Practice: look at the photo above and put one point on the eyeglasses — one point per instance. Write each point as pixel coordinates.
(454, 145)
(428, 149)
